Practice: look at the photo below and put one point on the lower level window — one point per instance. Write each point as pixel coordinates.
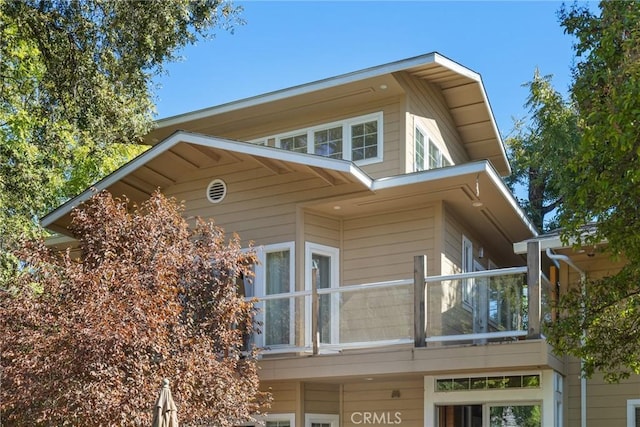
(633, 413)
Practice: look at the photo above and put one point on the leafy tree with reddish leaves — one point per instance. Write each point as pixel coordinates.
(88, 335)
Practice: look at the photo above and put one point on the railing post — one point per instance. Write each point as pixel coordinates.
(534, 289)
(419, 300)
(315, 312)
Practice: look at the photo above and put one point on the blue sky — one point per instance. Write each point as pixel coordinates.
(286, 43)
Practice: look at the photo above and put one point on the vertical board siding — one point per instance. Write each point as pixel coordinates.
(376, 397)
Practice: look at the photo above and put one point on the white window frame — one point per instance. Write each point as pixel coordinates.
(334, 253)
(346, 125)
(428, 142)
(262, 419)
(632, 404)
(466, 265)
(332, 419)
(260, 290)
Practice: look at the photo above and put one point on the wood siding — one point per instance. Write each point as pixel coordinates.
(427, 107)
(606, 403)
(377, 397)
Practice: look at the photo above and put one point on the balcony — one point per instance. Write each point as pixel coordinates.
(500, 305)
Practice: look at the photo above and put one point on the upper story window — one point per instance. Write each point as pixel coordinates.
(427, 154)
(358, 139)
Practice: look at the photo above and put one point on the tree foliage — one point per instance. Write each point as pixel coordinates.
(88, 340)
(539, 146)
(76, 91)
(605, 186)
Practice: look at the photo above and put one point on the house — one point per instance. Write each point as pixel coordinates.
(389, 288)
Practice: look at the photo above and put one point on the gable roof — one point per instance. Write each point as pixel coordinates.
(462, 89)
(183, 155)
(185, 152)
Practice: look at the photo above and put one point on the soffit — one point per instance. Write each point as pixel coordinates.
(470, 110)
(462, 89)
(497, 223)
(183, 154)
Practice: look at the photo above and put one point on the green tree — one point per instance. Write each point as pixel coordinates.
(605, 186)
(76, 92)
(538, 148)
(87, 341)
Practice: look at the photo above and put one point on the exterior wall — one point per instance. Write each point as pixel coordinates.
(606, 403)
(377, 399)
(426, 107)
(381, 247)
(392, 125)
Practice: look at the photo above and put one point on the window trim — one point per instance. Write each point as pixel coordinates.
(334, 253)
(443, 159)
(466, 266)
(260, 290)
(632, 405)
(332, 419)
(346, 125)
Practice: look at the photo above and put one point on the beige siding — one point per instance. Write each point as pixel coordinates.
(321, 398)
(392, 125)
(427, 107)
(285, 396)
(322, 229)
(376, 397)
(381, 247)
(606, 403)
(260, 206)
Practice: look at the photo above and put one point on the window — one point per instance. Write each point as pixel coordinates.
(274, 278)
(358, 139)
(633, 413)
(467, 267)
(328, 142)
(275, 420)
(427, 154)
(321, 420)
(322, 261)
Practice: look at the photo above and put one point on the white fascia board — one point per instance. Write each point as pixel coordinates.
(311, 160)
(451, 172)
(213, 142)
(367, 73)
(110, 179)
(548, 242)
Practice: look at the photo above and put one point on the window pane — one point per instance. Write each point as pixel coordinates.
(322, 270)
(277, 314)
(277, 424)
(297, 143)
(419, 151)
(277, 272)
(434, 156)
(328, 142)
(521, 416)
(364, 140)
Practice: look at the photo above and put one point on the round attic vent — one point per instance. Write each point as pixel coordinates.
(216, 191)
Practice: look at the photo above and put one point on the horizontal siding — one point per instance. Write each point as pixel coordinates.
(321, 398)
(427, 107)
(381, 247)
(606, 403)
(284, 396)
(322, 230)
(260, 206)
(375, 397)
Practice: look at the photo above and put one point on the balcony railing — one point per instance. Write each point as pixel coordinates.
(478, 307)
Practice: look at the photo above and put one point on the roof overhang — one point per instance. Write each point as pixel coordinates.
(461, 87)
(184, 153)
